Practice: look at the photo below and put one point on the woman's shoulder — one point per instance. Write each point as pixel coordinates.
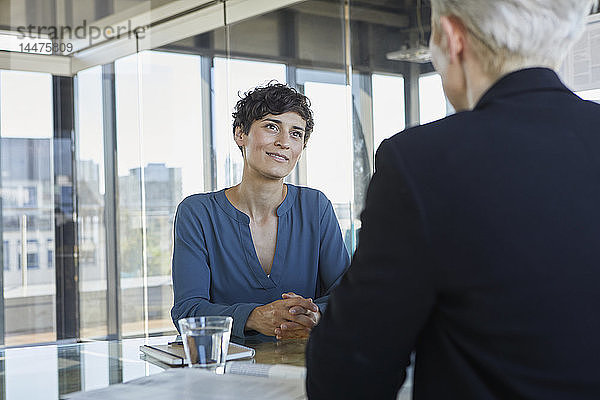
(307, 193)
(314, 197)
(199, 198)
(198, 203)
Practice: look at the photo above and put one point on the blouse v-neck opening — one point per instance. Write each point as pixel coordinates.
(266, 280)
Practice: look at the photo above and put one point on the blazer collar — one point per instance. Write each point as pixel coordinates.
(525, 80)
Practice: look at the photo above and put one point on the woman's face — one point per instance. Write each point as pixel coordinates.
(273, 145)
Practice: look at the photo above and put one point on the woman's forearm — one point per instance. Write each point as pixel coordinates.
(196, 307)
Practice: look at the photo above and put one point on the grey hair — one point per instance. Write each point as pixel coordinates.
(513, 34)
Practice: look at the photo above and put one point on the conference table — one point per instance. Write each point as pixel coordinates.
(57, 370)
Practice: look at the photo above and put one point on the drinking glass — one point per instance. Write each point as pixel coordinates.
(206, 341)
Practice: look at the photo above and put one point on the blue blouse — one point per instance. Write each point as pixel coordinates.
(215, 267)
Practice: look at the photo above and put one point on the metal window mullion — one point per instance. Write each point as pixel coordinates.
(208, 143)
(113, 285)
(290, 79)
(288, 50)
(411, 94)
(65, 228)
(362, 137)
(301, 167)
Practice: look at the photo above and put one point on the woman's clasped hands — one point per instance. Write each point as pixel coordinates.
(292, 317)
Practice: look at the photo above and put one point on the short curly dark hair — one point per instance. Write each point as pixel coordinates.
(272, 98)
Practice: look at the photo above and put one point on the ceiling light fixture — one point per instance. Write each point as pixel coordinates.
(415, 52)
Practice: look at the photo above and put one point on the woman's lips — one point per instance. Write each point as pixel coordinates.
(278, 157)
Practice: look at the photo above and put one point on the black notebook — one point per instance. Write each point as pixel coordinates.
(174, 355)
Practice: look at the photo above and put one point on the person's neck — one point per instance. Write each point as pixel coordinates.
(258, 198)
(478, 82)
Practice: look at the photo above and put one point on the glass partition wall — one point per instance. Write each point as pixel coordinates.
(159, 131)
(91, 191)
(155, 126)
(28, 246)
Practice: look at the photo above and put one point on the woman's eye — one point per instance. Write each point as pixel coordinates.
(297, 134)
(273, 127)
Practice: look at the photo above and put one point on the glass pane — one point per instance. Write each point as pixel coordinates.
(231, 78)
(331, 145)
(90, 216)
(275, 45)
(388, 106)
(129, 211)
(160, 160)
(95, 365)
(41, 364)
(171, 134)
(27, 207)
(432, 101)
(329, 103)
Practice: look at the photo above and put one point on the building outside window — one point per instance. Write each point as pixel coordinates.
(33, 259)
(30, 196)
(432, 101)
(27, 175)
(6, 255)
(50, 254)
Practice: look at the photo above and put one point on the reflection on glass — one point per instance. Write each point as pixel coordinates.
(95, 365)
(51, 372)
(319, 31)
(230, 78)
(90, 216)
(160, 161)
(31, 374)
(130, 258)
(69, 376)
(171, 137)
(388, 107)
(432, 101)
(26, 126)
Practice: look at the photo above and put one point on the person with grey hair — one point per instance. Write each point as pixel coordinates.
(479, 249)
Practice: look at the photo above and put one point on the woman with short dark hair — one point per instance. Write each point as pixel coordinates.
(262, 250)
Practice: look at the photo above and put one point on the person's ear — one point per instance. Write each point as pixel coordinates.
(454, 36)
(239, 136)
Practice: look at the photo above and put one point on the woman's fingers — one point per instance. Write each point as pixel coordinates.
(307, 321)
(291, 314)
(296, 310)
(287, 328)
(291, 330)
(280, 310)
(291, 326)
(302, 302)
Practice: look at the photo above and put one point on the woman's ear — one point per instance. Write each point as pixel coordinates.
(453, 35)
(239, 136)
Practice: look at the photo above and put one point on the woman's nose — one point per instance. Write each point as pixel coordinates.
(283, 141)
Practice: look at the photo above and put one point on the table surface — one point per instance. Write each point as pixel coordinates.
(51, 371)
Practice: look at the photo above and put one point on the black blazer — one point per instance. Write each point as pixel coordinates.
(480, 251)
